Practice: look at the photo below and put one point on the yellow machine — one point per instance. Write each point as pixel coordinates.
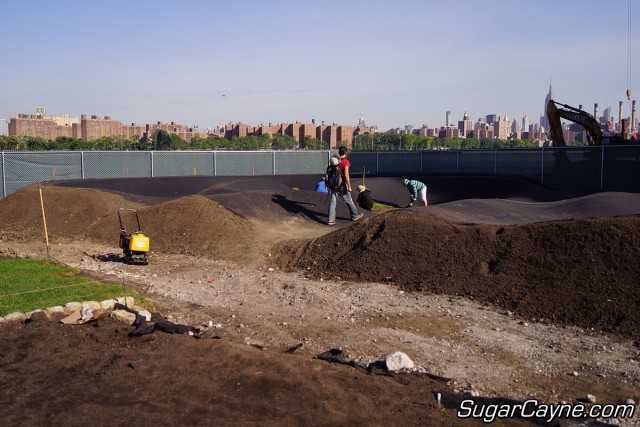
(134, 245)
(595, 134)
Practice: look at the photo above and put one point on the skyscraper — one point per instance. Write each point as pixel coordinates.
(515, 126)
(466, 126)
(544, 120)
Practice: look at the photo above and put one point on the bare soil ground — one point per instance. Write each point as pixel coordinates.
(492, 305)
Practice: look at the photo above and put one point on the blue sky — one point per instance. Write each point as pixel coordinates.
(200, 62)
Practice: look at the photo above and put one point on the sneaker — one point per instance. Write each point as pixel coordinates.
(331, 223)
(357, 217)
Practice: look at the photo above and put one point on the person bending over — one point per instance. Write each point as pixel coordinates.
(417, 190)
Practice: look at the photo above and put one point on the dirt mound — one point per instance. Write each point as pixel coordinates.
(192, 225)
(583, 272)
(579, 271)
(167, 379)
(195, 225)
(70, 214)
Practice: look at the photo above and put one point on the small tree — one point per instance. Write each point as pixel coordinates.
(162, 140)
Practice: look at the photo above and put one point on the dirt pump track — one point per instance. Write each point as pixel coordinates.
(254, 254)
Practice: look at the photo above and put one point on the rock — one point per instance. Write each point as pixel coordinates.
(107, 304)
(591, 398)
(56, 309)
(70, 307)
(37, 315)
(15, 317)
(123, 316)
(126, 301)
(146, 314)
(398, 361)
(92, 305)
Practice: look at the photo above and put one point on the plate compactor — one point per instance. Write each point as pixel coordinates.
(134, 245)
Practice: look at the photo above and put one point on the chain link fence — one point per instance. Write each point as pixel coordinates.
(602, 168)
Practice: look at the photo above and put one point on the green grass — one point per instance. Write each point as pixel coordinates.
(381, 207)
(30, 284)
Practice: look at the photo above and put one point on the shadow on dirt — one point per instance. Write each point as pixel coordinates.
(296, 207)
(111, 257)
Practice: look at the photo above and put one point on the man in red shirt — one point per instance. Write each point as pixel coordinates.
(344, 191)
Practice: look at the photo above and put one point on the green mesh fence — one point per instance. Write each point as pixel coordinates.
(24, 168)
(117, 164)
(183, 163)
(615, 168)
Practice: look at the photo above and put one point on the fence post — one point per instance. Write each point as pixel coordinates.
(4, 179)
(215, 160)
(273, 162)
(151, 152)
(602, 170)
(82, 164)
(542, 166)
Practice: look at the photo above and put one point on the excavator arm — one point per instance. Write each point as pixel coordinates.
(576, 115)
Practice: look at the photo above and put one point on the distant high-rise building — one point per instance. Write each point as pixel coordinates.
(544, 120)
(501, 128)
(491, 118)
(466, 126)
(515, 126)
(448, 119)
(525, 124)
(606, 115)
(4, 127)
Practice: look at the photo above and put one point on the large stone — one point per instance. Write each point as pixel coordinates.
(123, 316)
(126, 301)
(107, 304)
(398, 361)
(146, 314)
(15, 317)
(70, 307)
(37, 315)
(92, 305)
(57, 309)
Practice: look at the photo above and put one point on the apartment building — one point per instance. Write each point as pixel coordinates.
(94, 127)
(90, 128)
(36, 125)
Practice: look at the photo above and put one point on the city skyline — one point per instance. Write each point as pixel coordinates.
(406, 63)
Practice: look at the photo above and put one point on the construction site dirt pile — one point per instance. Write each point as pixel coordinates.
(582, 272)
(506, 311)
(557, 270)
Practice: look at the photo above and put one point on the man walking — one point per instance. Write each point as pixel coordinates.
(344, 191)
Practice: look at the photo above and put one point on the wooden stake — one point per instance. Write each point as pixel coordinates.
(44, 221)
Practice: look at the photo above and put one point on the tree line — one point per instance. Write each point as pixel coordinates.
(394, 141)
(161, 140)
